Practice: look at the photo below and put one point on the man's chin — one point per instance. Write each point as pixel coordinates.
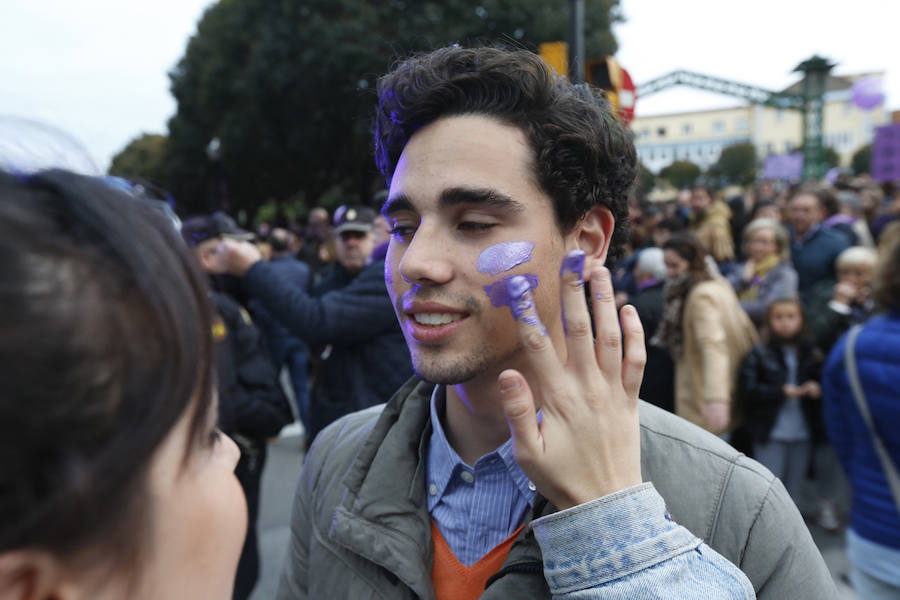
(446, 373)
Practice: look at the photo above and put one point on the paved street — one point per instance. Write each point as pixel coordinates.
(279, 479)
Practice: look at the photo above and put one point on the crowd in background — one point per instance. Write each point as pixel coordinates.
(742, 293)
(746, 297)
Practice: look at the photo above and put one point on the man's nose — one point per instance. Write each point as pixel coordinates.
(426, 259)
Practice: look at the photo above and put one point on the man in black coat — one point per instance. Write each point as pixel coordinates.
(287, 350)
(363, 357)
(252, 406)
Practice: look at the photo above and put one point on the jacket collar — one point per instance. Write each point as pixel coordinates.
(384, 515)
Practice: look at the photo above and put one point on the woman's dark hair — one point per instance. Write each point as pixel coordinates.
(688, 247)
(886, 280)
(105, 342)
(583, 156)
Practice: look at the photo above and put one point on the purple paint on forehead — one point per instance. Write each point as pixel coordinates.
(498, 292)
(503, 257)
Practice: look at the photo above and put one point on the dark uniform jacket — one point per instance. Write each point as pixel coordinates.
(363, 355)
(251, 402)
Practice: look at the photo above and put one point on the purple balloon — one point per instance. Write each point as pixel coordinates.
(867, 93)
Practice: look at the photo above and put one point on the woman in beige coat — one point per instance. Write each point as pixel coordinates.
(707, 333)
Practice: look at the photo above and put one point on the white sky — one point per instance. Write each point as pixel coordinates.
(97, 68)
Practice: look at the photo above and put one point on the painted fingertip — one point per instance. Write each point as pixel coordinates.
(517, 286)
(522, 302)
(573, 264)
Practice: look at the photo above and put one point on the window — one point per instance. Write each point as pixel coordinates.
(645, 132)
(661, 131)
(718, 126)
(687, 129)
(741, 124)
(779, 115)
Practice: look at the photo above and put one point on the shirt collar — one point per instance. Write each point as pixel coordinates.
(443, 461)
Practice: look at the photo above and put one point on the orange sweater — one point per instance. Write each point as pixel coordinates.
(454, 581)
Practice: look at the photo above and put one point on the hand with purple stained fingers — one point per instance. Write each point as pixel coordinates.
(587, 444)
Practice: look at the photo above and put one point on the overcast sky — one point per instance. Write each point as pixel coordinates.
(97, 68)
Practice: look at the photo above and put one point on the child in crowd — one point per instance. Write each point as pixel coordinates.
(779, 394)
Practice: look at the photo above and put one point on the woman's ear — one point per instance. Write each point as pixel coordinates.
(593, 234)
(32, 575)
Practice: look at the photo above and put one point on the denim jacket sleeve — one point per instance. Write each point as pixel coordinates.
(625, 545)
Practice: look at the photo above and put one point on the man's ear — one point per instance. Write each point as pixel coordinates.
(592, 235)
(32, 575)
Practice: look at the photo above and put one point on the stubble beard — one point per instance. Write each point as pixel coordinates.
(451, 371)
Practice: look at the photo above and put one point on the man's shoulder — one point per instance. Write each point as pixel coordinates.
(703, 479)
(828, 237)
(662, 430)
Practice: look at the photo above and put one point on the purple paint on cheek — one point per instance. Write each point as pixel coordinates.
(498, 292)
(514, 291)
(503, 257)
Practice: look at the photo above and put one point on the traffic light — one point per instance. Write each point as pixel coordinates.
(557, 56)
(607, 74)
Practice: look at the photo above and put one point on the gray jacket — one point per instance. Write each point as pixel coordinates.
(360, 526)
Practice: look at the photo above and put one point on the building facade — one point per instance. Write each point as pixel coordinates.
(699, 137)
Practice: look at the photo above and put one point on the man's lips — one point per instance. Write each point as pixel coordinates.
(431, 321)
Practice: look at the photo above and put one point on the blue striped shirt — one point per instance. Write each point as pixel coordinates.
(475, 507)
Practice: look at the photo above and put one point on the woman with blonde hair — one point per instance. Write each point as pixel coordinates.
(767, 274)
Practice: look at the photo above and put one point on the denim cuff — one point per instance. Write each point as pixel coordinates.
(608, 538)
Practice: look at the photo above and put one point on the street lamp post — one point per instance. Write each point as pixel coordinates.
(815, 75)
(576, 27)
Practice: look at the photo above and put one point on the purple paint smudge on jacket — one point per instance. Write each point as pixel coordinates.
(503, 257)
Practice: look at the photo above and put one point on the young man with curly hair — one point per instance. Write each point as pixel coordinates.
(519, 463)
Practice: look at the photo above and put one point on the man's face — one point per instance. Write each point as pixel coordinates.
(859, 276)
(353, 249)
(463, 185)
(804, 211)
(700, 200)
(206, 253)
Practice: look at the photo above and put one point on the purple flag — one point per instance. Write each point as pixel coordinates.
(783, 166)
(886, 153)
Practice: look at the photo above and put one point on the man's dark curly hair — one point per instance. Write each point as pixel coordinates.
(583, 155)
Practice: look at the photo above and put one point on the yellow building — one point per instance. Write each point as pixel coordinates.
(700, 136)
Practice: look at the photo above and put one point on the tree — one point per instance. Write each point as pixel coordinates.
(736, 164)
(143, 158)
(862, 160)
(680, 173)
(288, 87)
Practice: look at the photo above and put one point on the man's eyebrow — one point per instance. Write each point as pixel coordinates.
(481, 196)
(395, 205)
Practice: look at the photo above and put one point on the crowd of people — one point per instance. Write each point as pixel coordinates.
(466, 368)
(759, 289)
